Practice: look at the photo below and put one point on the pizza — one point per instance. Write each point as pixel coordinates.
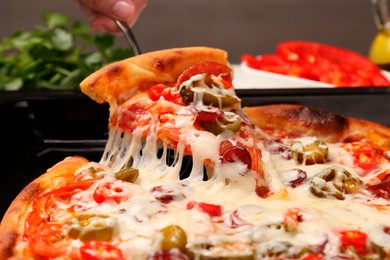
(187, 173)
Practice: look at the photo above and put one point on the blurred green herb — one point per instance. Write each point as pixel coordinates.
(57, 55)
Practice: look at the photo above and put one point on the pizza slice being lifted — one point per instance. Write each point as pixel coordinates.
(184, 102)
(186, 173)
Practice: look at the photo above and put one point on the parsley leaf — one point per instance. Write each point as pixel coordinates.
(56, 55)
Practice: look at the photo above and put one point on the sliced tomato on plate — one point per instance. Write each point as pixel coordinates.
(337, 66)
(308, 52)
(320, 62)
(268, 62)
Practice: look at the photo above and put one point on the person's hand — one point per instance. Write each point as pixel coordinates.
(102, 13)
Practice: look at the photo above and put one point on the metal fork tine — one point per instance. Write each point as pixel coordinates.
(127, 32)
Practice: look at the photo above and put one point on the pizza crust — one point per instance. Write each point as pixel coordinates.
(299, 120)
(12, 224)
(119, 81)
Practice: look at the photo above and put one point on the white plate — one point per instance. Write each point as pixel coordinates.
(248, 78)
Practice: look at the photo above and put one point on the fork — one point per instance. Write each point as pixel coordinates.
(128, 33)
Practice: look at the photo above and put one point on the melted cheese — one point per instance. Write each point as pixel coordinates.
(249, 222)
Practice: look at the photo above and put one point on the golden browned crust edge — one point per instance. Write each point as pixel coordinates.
(116, 82)
(12, 224)
(299, 120)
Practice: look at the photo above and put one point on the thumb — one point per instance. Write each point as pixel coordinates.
(123, 10)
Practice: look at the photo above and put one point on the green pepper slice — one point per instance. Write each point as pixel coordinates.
(334, 182)
(209, 93)
(128, 174)
(89, 227)
(309, 152)
(229, 121)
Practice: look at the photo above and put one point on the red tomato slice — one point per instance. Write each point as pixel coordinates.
(251, 61)
(168, 93)
(312, 257)
(45, 234)
(47, 240)
(211, 68)
(320, 62)
(100, 251)
(156, 91)
(211, 209)
(307, 52)
(354, 238)
(335, 65)
(366, 156)
(269, 62)
(109, 191)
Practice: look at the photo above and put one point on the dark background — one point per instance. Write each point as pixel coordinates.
(37, 130)
(239, 26)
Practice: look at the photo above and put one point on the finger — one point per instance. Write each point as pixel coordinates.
(104, 24)
(139, 6)
(121, 10)
(87, 12)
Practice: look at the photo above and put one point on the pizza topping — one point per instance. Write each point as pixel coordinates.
(171, 255)
(278, 147)
(165, 194)
(201, 89)
(292, 218)
(228, 121)
(128, 174)
(100, 251)
(244, 215)
(173, 237)
(366, 156)
(273, 249)
(211, 209)
(334, 182)
(309, 151)
(87, 227)
(381, 190)
(221, 72)
(237, 153)
(168, 93)
(238, 250)
(110, 191)
(312, 257)
(207, 113)
(355, 239)
(255, 202)
(293, 177)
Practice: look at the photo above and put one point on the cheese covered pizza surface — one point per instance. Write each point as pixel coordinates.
(187, 173)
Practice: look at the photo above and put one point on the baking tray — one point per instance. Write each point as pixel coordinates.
(40, 128)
